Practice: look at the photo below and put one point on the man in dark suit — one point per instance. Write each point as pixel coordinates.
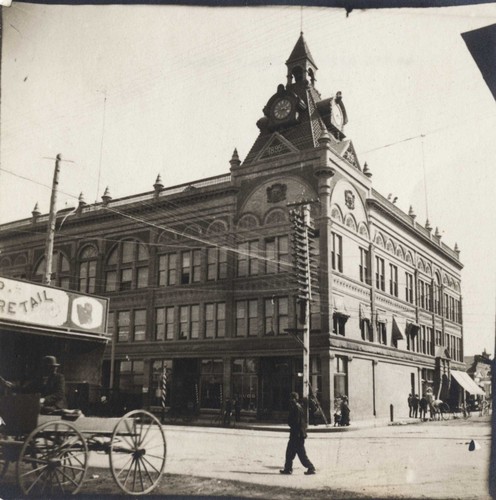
(297, 436)
(50, 386)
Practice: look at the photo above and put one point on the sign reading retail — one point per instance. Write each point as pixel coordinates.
(32, 304)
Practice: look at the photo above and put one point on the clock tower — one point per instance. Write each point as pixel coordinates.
(296, 116)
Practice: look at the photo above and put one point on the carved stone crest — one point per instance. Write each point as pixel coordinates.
(276, 193)
(349, 199)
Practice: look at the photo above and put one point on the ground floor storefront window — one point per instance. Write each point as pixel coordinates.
(340, 376)
(245, 383)
(211, 379)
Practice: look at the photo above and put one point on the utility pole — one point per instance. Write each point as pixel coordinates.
(303, 235)
(52, 217)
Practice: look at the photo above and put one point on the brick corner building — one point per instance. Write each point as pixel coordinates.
(200, 276)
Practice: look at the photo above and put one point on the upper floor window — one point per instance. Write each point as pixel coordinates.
(424, 299)
(246, 318)
(364, 265)
(190, 266)
(123, 326)
(276, 315)
(277, 254)
(87, 269)
(61, 270)
(382, 333)
(393, 280)
(167, 269)
(127, 266)
(216, 263)
(380, 278)
(189, 321)
(139, 325)
(366, 329)
(215, 320)
(339, 324)
(164, 323)
(409, 287)
(337, 252)
(247, 258)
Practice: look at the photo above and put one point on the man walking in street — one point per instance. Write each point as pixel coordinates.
(297, 435)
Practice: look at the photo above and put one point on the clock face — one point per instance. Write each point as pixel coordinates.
(337, 116)
(282, 109)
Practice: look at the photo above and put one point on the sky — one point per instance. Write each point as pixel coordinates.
(124, 93)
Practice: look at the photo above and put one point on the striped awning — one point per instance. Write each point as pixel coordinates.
(399, 328)
(467, 383)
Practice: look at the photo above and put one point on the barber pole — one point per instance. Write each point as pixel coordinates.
(164, 386)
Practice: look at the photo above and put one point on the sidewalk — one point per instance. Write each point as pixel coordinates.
(320, 428)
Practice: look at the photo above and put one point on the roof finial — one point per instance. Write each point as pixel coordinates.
(235, 161)
(106, 196)
(366, 170)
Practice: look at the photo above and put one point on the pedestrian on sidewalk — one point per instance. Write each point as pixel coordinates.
(297, 436)
(424, 404)
(345, 412)
(415, 405)
(410, 405)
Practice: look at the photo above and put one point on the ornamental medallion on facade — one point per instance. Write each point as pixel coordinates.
(349, 199)
(276, 193)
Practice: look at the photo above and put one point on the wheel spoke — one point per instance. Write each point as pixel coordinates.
(151, 465)
(125, 467)
(32, 471)
(134, 474)
(146, 434)
(58, 481)
(138, 462)
(146, 469)
(43, 473)
(69, 478)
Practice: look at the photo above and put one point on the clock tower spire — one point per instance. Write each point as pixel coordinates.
(301, 66)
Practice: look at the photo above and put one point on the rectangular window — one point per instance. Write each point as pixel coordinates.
(276, 316)
(139, 325)
(247, 258)
(126, 279)
(382, 333)
(365, 330)
(380, 279)
(142, 277)
(131, 376)
(338, 324)
(241, 318)
(421, 294)
(246, 318)
(439, 337)
(409, 287)
(184, 322)
(364, 265)
(195, 321)
(185, 268)
(215, 320)
(253, 318)
(169, 323)
(393, 280)
(123, 326)
(340, 376)
(167, 269)
(196, 266)
(337, 252)
(277, 255)
(216, 263)
(111, 281)
(159, 323)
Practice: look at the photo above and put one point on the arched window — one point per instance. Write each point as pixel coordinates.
(297, 73)
(437, 294)
(61, 270)
(127, 266)
(87, 269)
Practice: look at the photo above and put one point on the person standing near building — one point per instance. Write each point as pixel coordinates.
(345, 412)
(415, 405)
(297, 436)
(410, 406)
(50, 386)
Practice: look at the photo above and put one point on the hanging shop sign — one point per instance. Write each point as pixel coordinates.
(40, 305)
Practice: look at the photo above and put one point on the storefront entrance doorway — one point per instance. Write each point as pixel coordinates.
(275, 385)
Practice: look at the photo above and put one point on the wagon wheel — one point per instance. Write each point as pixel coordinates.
(137, 452)
(53, 460)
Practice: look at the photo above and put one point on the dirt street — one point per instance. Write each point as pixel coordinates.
(429, 460)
